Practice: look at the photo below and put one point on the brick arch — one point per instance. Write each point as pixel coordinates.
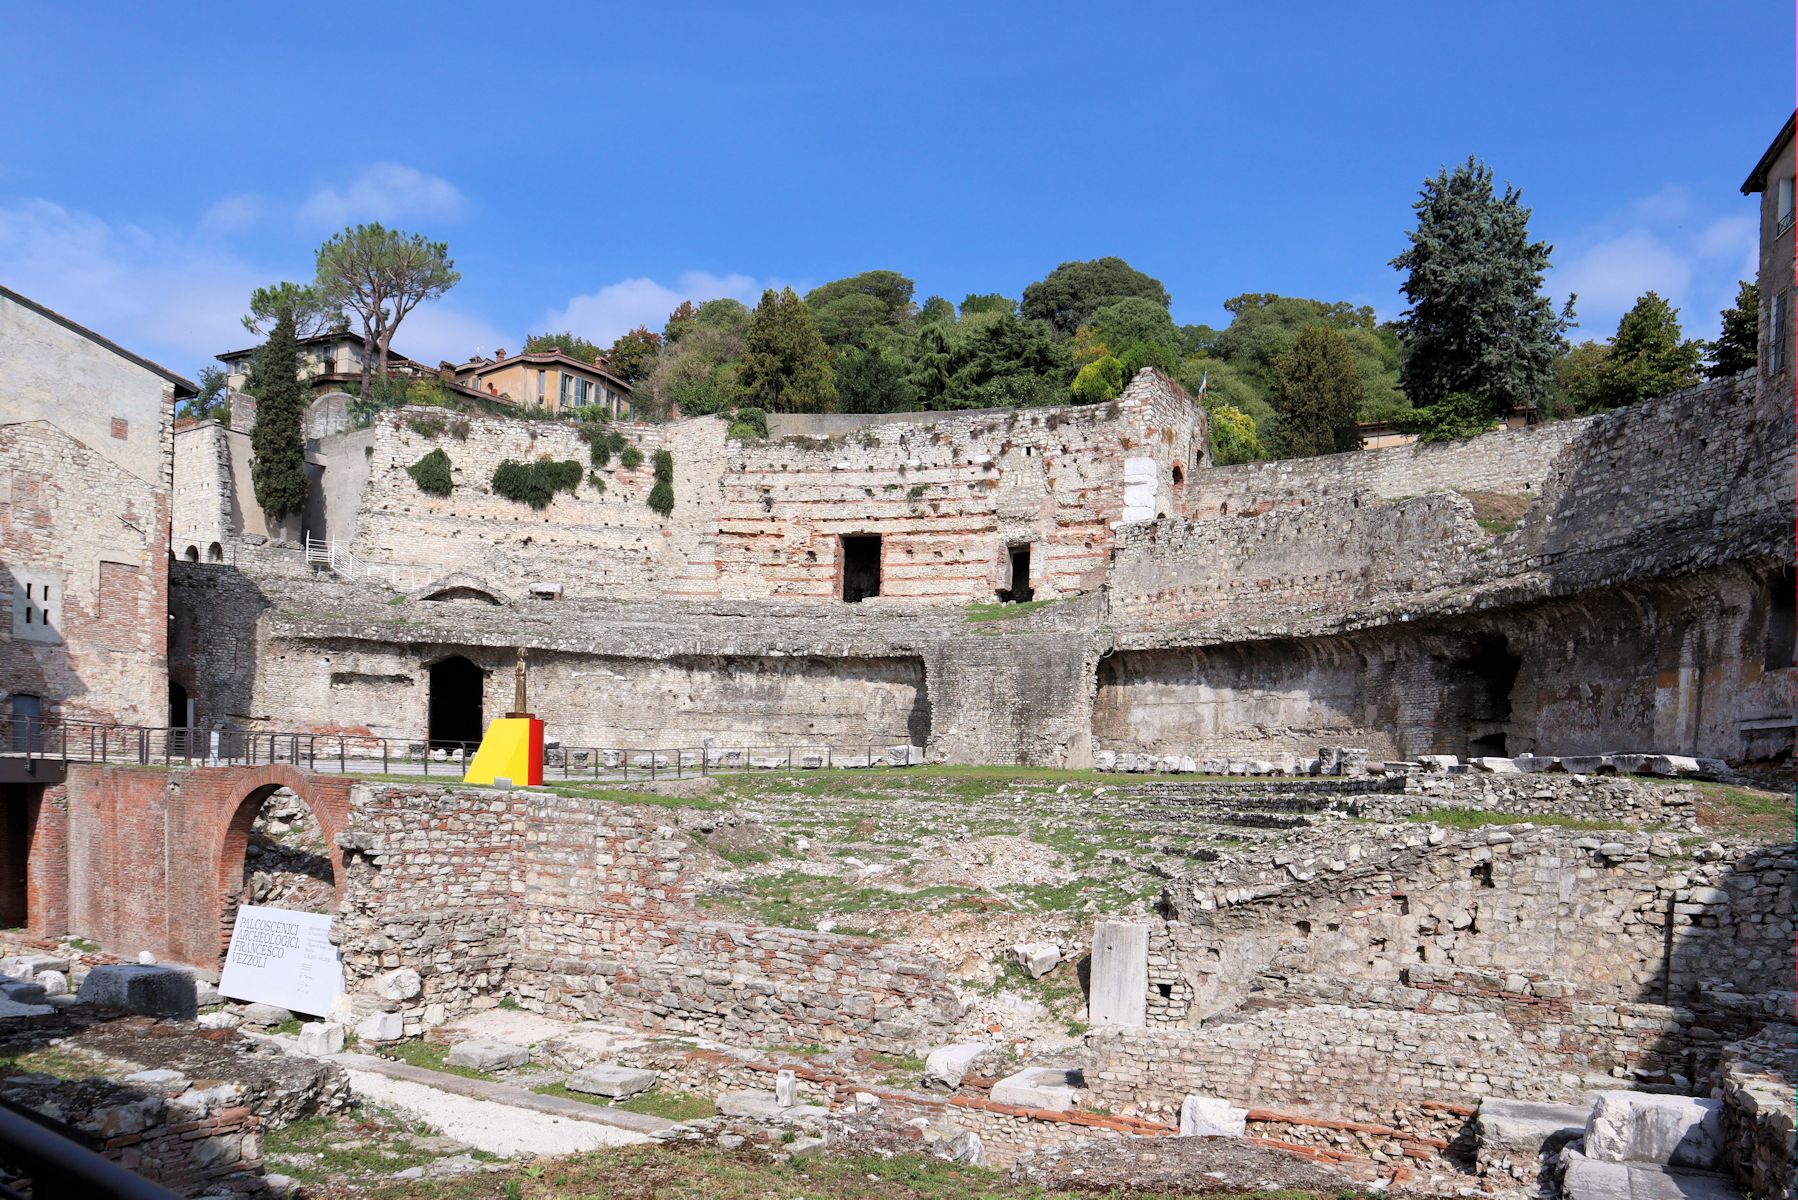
(238, 804)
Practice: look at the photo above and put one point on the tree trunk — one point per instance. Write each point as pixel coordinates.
(367, 349)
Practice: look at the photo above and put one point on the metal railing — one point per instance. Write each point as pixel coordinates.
(368, 754)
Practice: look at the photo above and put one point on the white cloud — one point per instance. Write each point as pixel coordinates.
(176, 300)
(385, 192)
(234, 214)
(439, 332)
(601, 316)
(1658, 243)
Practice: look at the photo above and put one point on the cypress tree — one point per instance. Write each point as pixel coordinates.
(1317, 395)
(277, 443)
(1479, 328)
(786, 366)
(1737, 347)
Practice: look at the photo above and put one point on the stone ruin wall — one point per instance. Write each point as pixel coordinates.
(582, 908)
(948, 493)
(1642, 603)
(1522, 962)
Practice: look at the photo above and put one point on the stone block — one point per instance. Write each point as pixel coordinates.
(133, 987)
(1629, 764)
(786, 1088)
(1536, 764)
(1119, 983)
(762, 1106)
(1052, 1088)
(1211, 1116)
(402, 984)
(949, 1065)
(905, 756)
(487, 1054)
(1669, 1131)
(1439, 763)
(1495, 766)
(21, 992)
(1586, 1178)
(13, 1008)
(1674, 766)
(610, 1079)
(381, 1027)
(53, 983)
(264, 1015)
(1523, 1133)
(1105, 760)
(321, 1037)
(1037, 958)
(1587, 764)
(30, 966)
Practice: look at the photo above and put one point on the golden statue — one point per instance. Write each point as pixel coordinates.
(518, 698)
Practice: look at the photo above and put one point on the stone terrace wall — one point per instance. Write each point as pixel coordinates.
(609, 929)
(431, 883)
(1623, 916)
(585, 908)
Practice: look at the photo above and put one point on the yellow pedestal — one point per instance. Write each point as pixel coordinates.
(511, 749)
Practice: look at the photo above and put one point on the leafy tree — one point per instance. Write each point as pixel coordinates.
(1456, 416)
(632, 353)
(1233, 438)
(211, 404)
(1069, 296)
(1133, 320)
(786, 366)
(1138, 355)
(277, 443)
(571, 344)
(1737, 347)
(432, 473)
(988, 302)
(848, 310)
(725, 315)
(1648, 356)
(1098, 381)
(748, 424)
(1317, 394)
(936, 311)
(1264, 328)
(991, 360)
(679, 322)
(1577, 389)
(870, 382)
(381, 275)
(1479, 325)
(312, 310)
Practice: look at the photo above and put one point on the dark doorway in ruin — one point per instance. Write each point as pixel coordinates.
(16, 804)
(1019, 589)
(1491, 673)
(861, 567)
(181, 717)
(458, 690)
(1782, 619)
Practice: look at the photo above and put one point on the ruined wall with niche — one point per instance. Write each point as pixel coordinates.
(949, 494)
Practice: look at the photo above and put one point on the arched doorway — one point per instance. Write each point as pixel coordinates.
(181, 718)
(243, 796)
(215, 553)
(287, 863)
(457, 695)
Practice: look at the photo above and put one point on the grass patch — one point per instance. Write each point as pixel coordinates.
(60, 1061)
(1745, 812)
(372, 1144)
(428, 1056)
(1473, 818)
(1498, 513)
(979, 613)
(672, 1106)
(1058, 989)
(658, 1172)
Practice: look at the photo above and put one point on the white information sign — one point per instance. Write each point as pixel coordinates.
(282, 957)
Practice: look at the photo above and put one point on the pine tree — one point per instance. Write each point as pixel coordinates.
(786, 366)
(277, 443)
(1737, 347)
(1648, 356)
(1478, 327)
(1317, 394)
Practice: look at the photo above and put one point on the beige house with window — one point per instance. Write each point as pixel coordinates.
(548, 380)
(328, 362)
(1772, 178)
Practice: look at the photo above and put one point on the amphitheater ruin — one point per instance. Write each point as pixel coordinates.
(1015, 786)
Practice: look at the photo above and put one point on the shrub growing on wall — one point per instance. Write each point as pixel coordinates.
(748, 424)
(661, 496)
(432, 474)
(602, 443)
(536, 483)
(630, 458)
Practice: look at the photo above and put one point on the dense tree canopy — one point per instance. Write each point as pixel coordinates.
(1648, 357)
(571, 344)
(1317, 395)
(1074, 291)
(1478, 327)
(381, 275)
(631, 354)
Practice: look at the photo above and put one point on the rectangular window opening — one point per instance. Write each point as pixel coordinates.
(1018, 589)
(861, 567)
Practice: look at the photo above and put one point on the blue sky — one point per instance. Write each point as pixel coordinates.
(592, 164)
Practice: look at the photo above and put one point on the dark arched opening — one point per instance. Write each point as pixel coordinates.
(215, 553)
(181, 718)
(457, 690)
(191, 554)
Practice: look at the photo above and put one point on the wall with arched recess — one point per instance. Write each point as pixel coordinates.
(138, 858)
